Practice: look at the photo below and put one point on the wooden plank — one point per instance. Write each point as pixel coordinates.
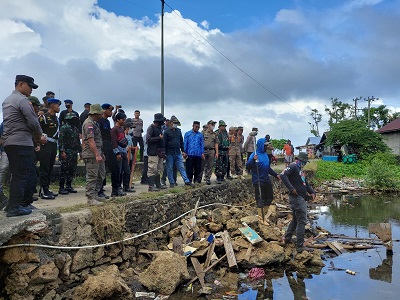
(208, 268)
(209, 254)
(333, 248)
(248, 253)
(339, 247)
(199, 270)
(384, 232)
(228, 249)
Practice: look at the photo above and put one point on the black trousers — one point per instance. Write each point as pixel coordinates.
(145, 167)
(267, 193)
(22, 174)
(112, 165)
(193, 168)
(136, 140)
(47, 156)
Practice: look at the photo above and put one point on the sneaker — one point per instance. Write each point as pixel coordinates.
(54, 194)
(189, 183)
(70, 189)
(30, 206)
(63, 192)
(172, 185)
(219, 180)
(153, 189)
(93, 202)
(47, 196)
(129, 190)
(118, 193)
(18, 211)
(102, 195)
(208, 181)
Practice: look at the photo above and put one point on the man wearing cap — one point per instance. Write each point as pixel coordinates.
(173, 144)
(294, 179)
(194, 152)
(93, 156)
(85, 112)
(21, 127)
(68, 105)
(155, 152)
(69, 146)
(137, 130)
(249, 144)
(235, 158)
(221, 164)
(48, 151)
(120, 144)
(210, 150)
(111, 159)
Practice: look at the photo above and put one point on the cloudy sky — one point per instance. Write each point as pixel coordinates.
(257, 63)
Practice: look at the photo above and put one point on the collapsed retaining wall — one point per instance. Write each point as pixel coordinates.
(40, 273)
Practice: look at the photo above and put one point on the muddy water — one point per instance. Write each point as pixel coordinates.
(377, 277)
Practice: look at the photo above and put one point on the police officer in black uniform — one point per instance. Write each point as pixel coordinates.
(48, 151)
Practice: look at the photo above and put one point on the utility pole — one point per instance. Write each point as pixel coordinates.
(370, 99)
(355, 107)
(162, 56)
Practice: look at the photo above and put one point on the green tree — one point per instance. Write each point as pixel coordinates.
(379, 116)
(316, 116)
(355, 134)
(338, 111)
(278, 143)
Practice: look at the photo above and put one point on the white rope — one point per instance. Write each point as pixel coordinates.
(113, 243)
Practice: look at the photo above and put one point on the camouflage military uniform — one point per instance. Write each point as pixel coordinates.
(221, 164)
(235, 157)
(69, 144)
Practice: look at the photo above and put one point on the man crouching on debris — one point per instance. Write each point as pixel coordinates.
(259, 166)
(295, 181)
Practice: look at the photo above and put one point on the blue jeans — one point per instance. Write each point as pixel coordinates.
(177, 160)
(299, 209)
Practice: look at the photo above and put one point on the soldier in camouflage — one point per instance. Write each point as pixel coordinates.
(69, 146)
(221, 163)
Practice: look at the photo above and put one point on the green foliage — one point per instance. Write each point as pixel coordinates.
(328, 170)
(382, 172)
(278, 144)
(338, 111)
(355, 134)
(388, 158)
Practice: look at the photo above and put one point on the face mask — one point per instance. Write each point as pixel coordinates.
(212, 127)
(175, 125)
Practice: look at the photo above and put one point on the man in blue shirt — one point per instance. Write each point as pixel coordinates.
(194, 152)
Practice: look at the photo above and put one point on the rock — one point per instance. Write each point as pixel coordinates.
(106, 285)
(165, 273)
(18, 255)
(240, 243)
(215, 227)
(50, 295)
(24, 268)
(263, 253)
(221, 215)
(82, 259)
(15, 283)
(270, 233)
(200, 244)
(250, 220)
(45, 273)
(65, 272)
(233, 225)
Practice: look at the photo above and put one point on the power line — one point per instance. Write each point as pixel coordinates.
(231, 61)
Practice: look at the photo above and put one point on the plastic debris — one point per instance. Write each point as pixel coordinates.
(144, 294)
(256, 273)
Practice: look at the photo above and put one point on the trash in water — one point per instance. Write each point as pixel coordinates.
(144, 294)
(249, 295)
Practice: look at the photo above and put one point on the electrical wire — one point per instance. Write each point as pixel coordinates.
(116, 242)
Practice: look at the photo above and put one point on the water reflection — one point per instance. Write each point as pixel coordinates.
(383, 272)
(297, 285)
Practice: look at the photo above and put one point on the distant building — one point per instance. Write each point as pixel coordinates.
(391, 135)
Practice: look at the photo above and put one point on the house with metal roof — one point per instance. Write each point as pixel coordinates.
(391, 135)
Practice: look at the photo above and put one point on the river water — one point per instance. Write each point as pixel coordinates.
(377, 275)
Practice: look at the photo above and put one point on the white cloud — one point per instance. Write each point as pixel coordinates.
(305, 56)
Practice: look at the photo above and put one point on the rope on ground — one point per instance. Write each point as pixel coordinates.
(117, 242)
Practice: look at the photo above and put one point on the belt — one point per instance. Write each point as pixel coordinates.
(52, 140)
(208, 148)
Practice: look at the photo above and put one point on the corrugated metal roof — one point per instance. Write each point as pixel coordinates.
(392, 126)
(313, 140)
